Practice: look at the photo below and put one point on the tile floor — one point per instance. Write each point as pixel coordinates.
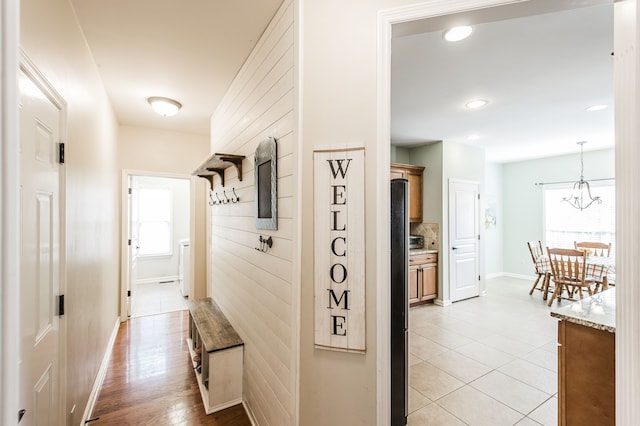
(157, 298)
(489, 360)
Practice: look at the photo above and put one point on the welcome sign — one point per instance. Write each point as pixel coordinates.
(339, 279)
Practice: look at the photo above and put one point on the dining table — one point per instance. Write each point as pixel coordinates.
(601, 269)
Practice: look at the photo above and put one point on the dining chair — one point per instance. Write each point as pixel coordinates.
(595, 248)
(542, 269)
(568, 272)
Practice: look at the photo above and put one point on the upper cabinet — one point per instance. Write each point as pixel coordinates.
(414, 175)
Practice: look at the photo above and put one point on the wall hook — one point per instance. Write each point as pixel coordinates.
(218, 201)
(226, 199)
(265, 244)
(235, 197)
(211, 201)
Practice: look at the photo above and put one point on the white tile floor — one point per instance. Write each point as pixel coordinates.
(157, 298)
(489, 360)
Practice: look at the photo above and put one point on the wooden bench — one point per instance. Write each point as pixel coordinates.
(217, 355)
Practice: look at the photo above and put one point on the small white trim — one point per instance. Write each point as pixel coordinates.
(441, 302)
(159, 280)
(102, 372)
(249, 411)
(519, 276)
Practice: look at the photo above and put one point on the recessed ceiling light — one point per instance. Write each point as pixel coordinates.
(476, 103)
(597, 107)
(458, 33)
(164, 106)
(473, 137)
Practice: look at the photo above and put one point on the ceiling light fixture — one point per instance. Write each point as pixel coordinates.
(457, 33)
(597, 107)
(581, 197)
(473, 137)
(164, 106)
(476, 103)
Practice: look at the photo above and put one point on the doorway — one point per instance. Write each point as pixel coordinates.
(447, 240)
(157, 245)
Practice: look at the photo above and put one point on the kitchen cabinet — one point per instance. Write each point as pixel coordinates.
(586, 375)
(414, 175)
(423, 277)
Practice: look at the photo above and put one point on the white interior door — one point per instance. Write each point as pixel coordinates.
(464, 271)
(41, 120)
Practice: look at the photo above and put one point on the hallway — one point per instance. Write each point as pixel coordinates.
(150, 382)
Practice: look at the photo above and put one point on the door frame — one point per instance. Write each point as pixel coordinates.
(127, 174)
(9, 217)
(627, 104)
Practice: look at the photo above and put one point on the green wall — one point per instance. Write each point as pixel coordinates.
(522, 200)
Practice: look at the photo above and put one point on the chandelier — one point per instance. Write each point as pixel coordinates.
(581, 197)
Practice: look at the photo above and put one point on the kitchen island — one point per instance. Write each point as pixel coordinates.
(586, 360)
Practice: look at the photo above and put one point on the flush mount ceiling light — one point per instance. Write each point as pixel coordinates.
(164, 106)
(457, 33)
(581, 197)
(476, 103)
(597, 107)
(473, 137)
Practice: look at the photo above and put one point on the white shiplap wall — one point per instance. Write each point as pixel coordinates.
(254, 289)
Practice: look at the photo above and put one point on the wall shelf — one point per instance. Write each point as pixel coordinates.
(216, 164)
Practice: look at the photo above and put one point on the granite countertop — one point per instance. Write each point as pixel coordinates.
(597, 311)
(422, 251)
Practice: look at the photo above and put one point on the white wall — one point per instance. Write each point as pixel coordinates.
(51, 37)
(258, 291)
(522, 207)
(493, 236)
(160, 268)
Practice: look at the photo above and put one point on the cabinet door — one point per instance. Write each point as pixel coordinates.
(415, 275)
(429, 281)
(415, 197)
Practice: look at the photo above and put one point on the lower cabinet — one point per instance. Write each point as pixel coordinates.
(423, 277)
(586, 375)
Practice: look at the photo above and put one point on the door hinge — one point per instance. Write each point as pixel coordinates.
(478, 277)
(128, 293)
(61, 153)
(478, 196)
(478, 237)
(129, 242)
(130, 191)
(61, 305)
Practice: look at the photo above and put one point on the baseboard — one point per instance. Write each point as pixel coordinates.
(252, 417)
(158, 280)
(519, 276)
(102, 372)
(441, 302)
(510, 275)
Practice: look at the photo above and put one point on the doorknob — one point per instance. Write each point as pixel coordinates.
(454, 248)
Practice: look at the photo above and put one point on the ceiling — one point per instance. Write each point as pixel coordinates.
(187, 50)
(538, 73)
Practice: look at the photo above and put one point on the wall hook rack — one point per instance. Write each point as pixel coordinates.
(265, 244)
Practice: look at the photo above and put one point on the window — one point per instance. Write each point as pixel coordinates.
(153, 211)
(565, 224)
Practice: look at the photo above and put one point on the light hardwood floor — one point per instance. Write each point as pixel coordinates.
(150, 379)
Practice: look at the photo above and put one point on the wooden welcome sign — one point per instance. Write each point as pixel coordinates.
(339, 281)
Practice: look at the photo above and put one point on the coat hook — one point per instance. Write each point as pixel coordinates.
(235, 198)
(219, 201)
(211, 202)
(226, 199)
(265, 244)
